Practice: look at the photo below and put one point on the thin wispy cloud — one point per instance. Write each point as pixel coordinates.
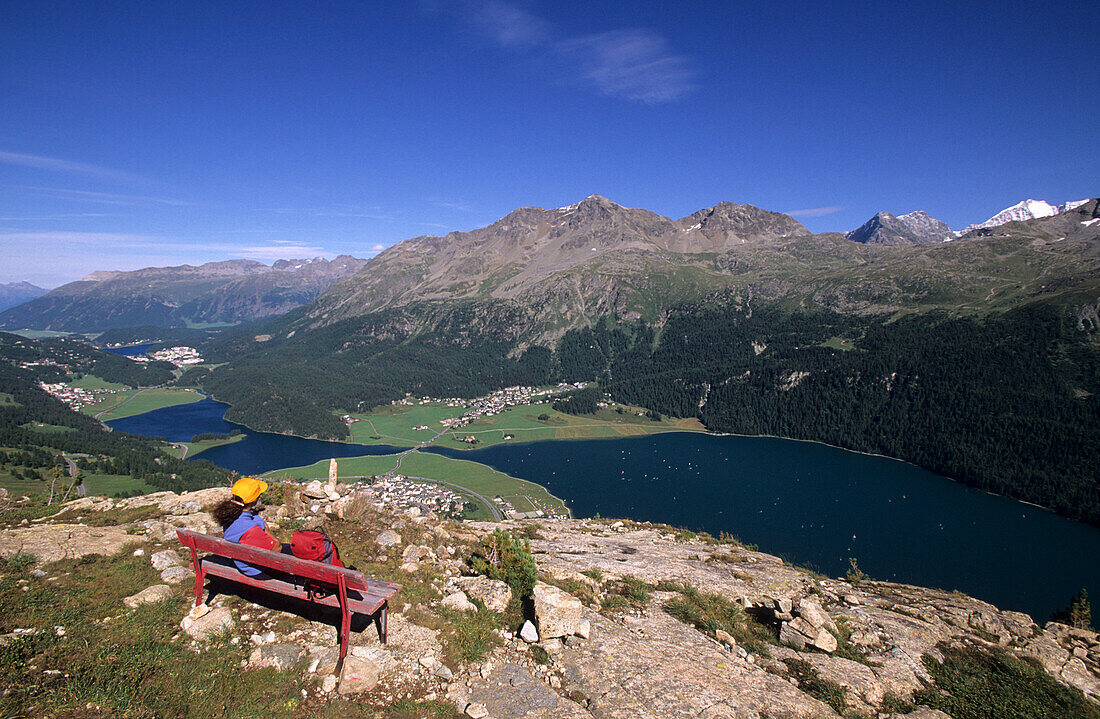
(325, 212)
(816, 211)
(633, 64)
(509, 25)
(69, 167)
(279, 251)
(51, 218)
(102, 198)
(112, 240)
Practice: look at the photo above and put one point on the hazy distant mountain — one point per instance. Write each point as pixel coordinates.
(1026, 210)
(226, 292)
(16, 293)
(915, 228)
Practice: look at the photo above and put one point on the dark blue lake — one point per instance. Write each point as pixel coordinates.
(257, 452)
(817, 506)
(131, 350)
(814, 505)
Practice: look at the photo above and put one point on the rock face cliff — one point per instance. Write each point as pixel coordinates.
(607, 637)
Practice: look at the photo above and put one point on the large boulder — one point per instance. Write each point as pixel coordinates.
(493, 593)
(51, 542)
(558, 612)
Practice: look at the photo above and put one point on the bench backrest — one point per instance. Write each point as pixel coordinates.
(287, 563)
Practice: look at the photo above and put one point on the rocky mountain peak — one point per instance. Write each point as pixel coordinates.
(914, 228)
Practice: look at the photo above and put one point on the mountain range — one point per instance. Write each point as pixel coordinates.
(215, 293)
(554, 269)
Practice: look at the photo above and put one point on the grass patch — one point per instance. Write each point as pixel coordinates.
(626, 593)
(409, 709)
(90, 381)
(466, 636)
(709, 612)
(111, 517)
(815, 685)
(110, 485)
(980, 683)
(128, 403)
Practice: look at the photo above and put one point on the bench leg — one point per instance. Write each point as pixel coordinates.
(345, 619)
(383, 624)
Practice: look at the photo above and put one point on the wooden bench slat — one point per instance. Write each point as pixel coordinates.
(368, 604)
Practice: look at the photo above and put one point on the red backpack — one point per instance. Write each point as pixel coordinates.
(314, 544)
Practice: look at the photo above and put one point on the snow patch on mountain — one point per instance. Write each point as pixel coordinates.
(1026, 210)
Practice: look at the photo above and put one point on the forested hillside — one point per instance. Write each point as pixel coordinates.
(36, 428)
(1005, 403)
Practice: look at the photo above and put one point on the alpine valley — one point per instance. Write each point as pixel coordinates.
(976, 358)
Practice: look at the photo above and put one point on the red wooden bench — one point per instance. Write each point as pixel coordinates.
(352, 592)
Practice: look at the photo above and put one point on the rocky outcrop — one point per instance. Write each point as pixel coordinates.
(579, 655)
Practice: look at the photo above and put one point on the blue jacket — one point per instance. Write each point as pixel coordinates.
(235, 531)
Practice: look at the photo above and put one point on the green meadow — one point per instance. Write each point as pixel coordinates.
(127, 403)
(525, 496)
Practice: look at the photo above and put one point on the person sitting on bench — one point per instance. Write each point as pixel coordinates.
(241, 522)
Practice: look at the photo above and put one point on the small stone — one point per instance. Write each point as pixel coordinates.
(139, 552)
(528, 633)
(359, 675)
(278, 656)
(428, 661)
(149, 595)
(165, 559)
(410, 567)
(553, 645)
(388, 538)
(175, 575)
(443, 672)
(314, 490)
(209, 623)
(459, 602)
(725, 637)
(584, 629)
(328, 683)
(477, 711)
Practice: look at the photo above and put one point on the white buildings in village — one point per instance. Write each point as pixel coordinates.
(491, 404)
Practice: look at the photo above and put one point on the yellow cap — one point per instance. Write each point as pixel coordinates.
(249, 489)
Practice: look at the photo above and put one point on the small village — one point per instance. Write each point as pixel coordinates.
(405, 493)
(490, 404)
(75, 397)
(179, 356)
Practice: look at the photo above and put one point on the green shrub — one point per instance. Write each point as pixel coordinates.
(815, 685)
(710, 612)
(979, 683)
(507, 558)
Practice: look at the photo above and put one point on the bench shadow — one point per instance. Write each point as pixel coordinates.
(310, 611)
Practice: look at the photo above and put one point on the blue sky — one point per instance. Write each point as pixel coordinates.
(148, 133)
